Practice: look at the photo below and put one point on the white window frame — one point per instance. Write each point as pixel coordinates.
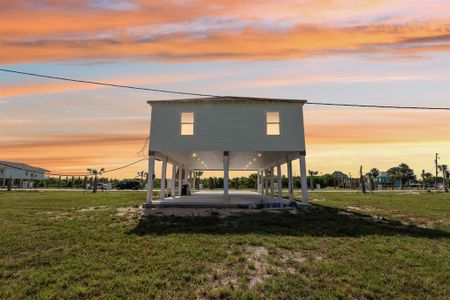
(187, 123)
(273, 123)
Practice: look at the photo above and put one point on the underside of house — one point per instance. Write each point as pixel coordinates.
(179, 190)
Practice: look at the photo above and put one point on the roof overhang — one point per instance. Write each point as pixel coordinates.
(227, 99)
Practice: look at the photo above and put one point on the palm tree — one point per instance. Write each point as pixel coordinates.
(142, 174)
(425, 178)
(312, 173)
(374, 172)
(95, 172)
(444, 169)
(403, 173)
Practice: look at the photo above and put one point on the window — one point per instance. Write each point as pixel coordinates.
(273, 123)
(187, 123)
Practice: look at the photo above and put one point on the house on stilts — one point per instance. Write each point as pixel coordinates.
(229, 134)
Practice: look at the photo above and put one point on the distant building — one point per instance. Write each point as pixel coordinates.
(340, 179)
(25, 174)
(340, 175)
(384, 179)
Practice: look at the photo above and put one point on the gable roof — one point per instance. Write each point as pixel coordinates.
(23, 167)
(227, 99)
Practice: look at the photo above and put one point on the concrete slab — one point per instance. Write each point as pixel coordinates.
(215, 199)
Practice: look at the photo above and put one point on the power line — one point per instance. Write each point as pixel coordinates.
(211, 95)
(125, 166)
(378, 106)
(107, 84)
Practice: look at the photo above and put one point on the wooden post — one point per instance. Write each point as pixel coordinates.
(174, 179)
(151, 173)
(180, 179)
(303, 178)
(290, 185)
(266, 182)
(272, 182)
(280, 181)
(162, 191)
(226, 166)
(258, 182)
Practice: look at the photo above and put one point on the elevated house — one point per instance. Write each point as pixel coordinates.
(226, 134)
(20, 173)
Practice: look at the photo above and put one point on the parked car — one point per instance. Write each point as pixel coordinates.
(100, 187)
(129, 185)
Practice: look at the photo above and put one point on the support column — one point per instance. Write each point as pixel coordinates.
(303, 178)
(265, 183)
(193, 180)
(226, 166)
(280, 181)
(180, 179)
(173, 180)
(272, 182)
(162, 191)
(290, 185)
(261, 184)
(151, 174)
(4, 182)
(258, 182)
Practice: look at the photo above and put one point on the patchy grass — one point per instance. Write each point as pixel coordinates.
(431, 210)
(82, 245)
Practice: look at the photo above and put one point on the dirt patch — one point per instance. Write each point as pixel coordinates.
(257, 264)
(361, 208)
(317, 199)
(93, 208)
(129, 211)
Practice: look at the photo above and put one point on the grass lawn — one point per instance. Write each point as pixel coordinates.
(84, 245)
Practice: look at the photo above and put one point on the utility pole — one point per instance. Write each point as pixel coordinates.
(436, 167)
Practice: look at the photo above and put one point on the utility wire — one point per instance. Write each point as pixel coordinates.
(378, 106)
(210, 95)
(107, 84)
(125, 166)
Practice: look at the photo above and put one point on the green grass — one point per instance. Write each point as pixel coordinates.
(75, 245)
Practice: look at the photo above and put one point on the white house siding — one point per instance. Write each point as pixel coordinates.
(15, 173)
(227, 126)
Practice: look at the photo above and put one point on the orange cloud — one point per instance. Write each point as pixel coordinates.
(59, 33)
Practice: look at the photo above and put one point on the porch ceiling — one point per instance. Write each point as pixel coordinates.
(239, 160)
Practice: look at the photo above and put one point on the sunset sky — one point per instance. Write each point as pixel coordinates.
(356, 51)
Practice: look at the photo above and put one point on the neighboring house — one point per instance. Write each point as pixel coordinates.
(227, 133)
(24, 173)
(340, 175)
(384, 179)
(341, 179)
